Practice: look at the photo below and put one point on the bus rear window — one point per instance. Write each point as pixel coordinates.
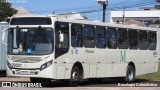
(31, 21)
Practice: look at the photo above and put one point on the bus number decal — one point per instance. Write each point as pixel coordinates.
(123, 56)
(16, 65)
(74, 51)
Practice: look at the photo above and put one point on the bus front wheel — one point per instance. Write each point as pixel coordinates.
(130, 74)
(75, 76)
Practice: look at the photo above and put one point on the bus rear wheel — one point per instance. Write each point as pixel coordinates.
(75, 76)
(130, 74)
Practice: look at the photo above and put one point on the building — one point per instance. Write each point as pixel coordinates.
(136, 17)
(73, 15)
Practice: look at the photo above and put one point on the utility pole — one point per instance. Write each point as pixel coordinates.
(104, 12)
(124, 14)
(104, 3)
(157, 1)
(157, 6)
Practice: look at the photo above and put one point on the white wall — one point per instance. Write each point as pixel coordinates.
(3, 48)
(151, 15)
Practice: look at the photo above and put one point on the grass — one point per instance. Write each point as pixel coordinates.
(153, 76)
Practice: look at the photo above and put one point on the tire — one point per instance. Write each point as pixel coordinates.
(39, 80)
(95, 80)
(130, 74)
(34, 80)
(75, 76)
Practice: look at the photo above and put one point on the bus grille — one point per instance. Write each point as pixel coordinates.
(26, 59)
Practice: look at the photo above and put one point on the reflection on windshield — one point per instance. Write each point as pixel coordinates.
(36, 41)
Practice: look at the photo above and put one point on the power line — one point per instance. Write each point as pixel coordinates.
(115, 8)
(132, 5)
(92, 9)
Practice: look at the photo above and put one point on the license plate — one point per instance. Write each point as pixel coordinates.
(25, 72)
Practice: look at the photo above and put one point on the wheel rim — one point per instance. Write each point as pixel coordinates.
(130, 75)
(75, 76)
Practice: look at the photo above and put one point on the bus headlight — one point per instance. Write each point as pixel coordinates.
(9, 65)
(44, 66)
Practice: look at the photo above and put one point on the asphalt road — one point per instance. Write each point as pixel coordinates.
(104, 83)
(85, 88)
(112, 82)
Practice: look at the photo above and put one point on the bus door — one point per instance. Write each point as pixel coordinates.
(62, 53)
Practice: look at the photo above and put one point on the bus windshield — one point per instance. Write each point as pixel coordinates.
(30, 41)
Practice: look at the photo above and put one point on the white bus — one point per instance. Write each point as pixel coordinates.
(50, 47)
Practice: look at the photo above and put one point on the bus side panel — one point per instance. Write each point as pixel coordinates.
(92, 61)
(64, 71)
(92, 70)
(156, 65)
(86, 71)
(119, 60)
(116, 70)
(135, 57)
(79, 55)
(101, 70)
(60, 72)
(148, 61)
(116, 67)
(101, 60)
(60, 66)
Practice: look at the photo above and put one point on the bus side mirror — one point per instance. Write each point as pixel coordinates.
(61, 37)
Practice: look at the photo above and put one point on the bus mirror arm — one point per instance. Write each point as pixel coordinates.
(3, 37)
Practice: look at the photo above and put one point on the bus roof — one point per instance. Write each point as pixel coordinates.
(65, 19)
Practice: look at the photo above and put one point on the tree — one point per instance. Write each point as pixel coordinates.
(157, 22)
(6, 10)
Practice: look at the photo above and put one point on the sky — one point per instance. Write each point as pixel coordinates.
(61, 6)
(36, 5)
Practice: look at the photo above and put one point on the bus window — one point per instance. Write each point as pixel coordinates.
(89, 37)
(100, 37)
(122, 39)
(143, 40)
(111, 38)
(133, 40)
(76, 31)
(61, 47)
(152, 41)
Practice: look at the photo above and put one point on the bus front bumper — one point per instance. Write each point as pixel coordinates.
(30, 72)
